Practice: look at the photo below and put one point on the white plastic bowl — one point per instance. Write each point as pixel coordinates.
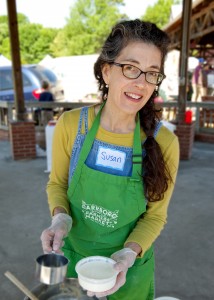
(96, 273)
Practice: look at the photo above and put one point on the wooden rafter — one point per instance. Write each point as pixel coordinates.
(201, 27)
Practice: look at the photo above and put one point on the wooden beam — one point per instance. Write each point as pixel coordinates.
(183, 64)
(16, 62)
(201, 24)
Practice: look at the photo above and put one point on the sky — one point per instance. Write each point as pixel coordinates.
(53, 13)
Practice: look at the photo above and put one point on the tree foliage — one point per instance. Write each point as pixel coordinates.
(159, 13)
(35, 40)
(4, 40)
(4, 33)
(87, 27)
(89, 23)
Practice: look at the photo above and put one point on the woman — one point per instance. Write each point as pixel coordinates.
(114, 165)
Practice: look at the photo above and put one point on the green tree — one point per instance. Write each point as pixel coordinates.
(89, 23)
(4, 33)
(22, 19)
(159, 13)
(35, 40)
(4, 37)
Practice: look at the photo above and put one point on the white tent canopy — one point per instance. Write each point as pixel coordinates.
(76, 74)
(4, 61)
(46, 61)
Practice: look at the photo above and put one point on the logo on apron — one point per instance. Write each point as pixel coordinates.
(110, 158)
(100, 215)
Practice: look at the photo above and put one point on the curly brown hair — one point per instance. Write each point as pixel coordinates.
(155, 175)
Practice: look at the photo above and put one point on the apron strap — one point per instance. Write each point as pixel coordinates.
(137, 153)
(83, 116)
(89, 139)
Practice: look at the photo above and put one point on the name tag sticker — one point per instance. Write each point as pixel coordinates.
(110, 158)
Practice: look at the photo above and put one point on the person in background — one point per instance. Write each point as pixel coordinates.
(114, 165)
(210, 80)
(189, 86)
(204, 73)
(197, 81)
(46, 96)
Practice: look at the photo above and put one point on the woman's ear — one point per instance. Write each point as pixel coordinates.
(106, 73)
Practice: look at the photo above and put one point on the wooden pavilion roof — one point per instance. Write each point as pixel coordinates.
(201, 30)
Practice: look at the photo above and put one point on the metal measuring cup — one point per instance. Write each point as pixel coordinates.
(51, 268)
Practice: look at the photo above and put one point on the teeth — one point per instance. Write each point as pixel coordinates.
(133, 95)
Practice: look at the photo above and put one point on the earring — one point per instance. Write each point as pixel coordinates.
(107, 86)
(156, 88)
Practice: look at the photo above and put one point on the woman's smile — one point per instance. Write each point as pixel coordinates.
(133, 96)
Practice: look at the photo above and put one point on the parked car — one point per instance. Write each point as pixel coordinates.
(32, 78)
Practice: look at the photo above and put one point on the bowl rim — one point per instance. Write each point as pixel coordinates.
(92, 259)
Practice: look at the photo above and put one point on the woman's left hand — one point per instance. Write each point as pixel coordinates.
(125, 259)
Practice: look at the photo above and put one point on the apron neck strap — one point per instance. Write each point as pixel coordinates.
(89, 139)
(137, 152)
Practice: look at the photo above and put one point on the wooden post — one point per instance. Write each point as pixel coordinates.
(22, 132)
(185, 132)
(184, 55)
(15, 54)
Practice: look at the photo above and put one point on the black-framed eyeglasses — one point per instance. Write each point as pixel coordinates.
(132, 72)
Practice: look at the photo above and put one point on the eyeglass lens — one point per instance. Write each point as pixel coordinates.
(133, 72)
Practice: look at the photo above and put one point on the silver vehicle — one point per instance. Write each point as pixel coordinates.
(32, 77)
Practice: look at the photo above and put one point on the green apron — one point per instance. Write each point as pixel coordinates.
(105, 208)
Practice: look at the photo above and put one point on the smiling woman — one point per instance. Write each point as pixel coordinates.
(115, 165)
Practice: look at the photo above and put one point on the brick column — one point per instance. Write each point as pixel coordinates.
(185, 133)
(23, 140)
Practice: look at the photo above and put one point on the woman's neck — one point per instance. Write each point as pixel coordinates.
(116, 122)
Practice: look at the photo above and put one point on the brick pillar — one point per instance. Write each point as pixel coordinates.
(185, 133)
(23, 140)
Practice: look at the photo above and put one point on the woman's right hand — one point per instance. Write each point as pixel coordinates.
(52, 237)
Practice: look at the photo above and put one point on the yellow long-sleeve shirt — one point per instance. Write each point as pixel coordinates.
(150, 225)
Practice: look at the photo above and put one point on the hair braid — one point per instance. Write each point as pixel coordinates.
(156, 175)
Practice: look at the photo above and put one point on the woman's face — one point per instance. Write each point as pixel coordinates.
(130, 95)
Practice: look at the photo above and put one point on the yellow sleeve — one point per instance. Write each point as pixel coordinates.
(153, 220)
(63, 139)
